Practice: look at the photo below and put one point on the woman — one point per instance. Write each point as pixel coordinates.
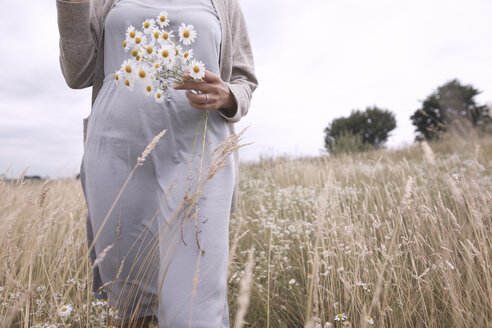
(157, 260)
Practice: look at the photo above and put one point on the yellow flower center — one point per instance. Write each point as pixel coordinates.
(137, 58)
(162, 18)
(156, 35)
(158, 95)
(138, 40)
(165, 35)
(149, 50)
(340, 316)
(186, 33)
(176, 50)
(64, 309)
(196, 69)
(128, 69)
(116, 77)
(186, 55)
(132, 34)
(134, 52)
(157, 66)
(141, 74)
(165, 53)
(146, 24)
(127, 83)
(124, 44)
(149, 88)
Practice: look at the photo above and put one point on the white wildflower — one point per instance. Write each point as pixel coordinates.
(162, 19)
(368, 319)
(187, 34)
(197, 69)
(64, 310)
(341, 317)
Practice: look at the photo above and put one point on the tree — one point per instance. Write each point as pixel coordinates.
(361, 130)
(452, 103)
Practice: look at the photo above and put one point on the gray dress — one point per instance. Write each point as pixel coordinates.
(152, 264)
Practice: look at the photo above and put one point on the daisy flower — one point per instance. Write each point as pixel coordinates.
(347, 324)
(143, 74)
(187, 55)
(368, 319)
(327, 325)
(166, 36)
(148, 26)
(187, 34)
(128, 67)
(131, 33)
(156, 33)
(162, 19)
(127, 44)
(150, 50)
(341, 317)
(139, 38)
(178, 50)
(118, 75)
(197, 69)
(149, 89)
(292, 281)
(159, 96)
(166, 54)
(129, 82)
(136, 53)
(64, 310)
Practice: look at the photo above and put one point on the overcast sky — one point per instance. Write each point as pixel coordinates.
(315, 60)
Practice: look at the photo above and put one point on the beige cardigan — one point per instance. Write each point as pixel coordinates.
(81, 27)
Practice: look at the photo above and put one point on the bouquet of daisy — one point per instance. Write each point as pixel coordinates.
(158, 60)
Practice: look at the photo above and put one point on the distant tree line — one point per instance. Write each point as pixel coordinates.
(450, 106)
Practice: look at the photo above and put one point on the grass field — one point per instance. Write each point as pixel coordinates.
(398, 238)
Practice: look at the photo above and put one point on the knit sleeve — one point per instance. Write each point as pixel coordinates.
(77, 43)
(243, 79)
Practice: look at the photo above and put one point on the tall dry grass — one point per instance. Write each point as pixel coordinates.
(397, 238)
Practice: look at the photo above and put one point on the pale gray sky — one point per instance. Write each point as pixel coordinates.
(315, 60)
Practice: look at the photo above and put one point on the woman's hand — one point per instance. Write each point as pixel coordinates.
(216, 94)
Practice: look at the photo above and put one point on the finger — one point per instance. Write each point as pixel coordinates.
(211, 77)
(202, 106)
(200, 86)
(200, 98)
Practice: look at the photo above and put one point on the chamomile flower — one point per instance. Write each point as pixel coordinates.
(148, 26)
(118, 76)
(143, 73)
(128, 67)
(178, 50)
(347, 324)
(149, 89)
(127, 44)
(159, 96)
(129, 82)
(341, 317)
(187, 56)
(140, 38)
(197, 69)
(162, 19)
(166, 54)
(136, 53)
(327, 325)
(368, 319)
(166, 36)
(150, 50)
(131, 33)
(64, 310)
(187, 34)
(156, 34)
